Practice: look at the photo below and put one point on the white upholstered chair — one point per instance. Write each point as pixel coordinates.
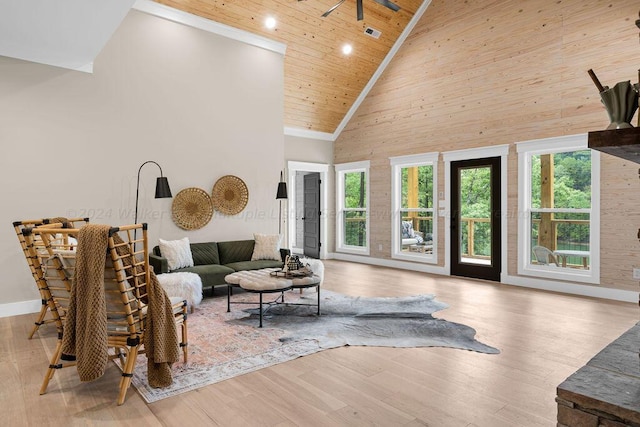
(544, 256)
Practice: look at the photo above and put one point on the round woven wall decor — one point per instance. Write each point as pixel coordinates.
(192, 208)
(230, 195)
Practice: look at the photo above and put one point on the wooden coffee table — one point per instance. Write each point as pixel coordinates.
(262, 282)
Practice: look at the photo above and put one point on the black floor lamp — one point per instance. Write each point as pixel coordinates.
(281, 194)
(162, 190)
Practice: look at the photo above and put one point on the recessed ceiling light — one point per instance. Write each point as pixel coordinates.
(270, 22)
(347, 49)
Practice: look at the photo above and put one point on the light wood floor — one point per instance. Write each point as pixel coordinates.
(543, 337)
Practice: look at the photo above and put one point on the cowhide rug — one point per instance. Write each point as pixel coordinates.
(383, 322)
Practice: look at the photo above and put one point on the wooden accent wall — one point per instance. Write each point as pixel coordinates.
(481, 73)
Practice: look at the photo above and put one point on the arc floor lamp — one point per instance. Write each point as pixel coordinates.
(162, 187)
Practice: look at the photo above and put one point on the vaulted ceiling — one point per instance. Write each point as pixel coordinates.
(321, 83)
(323, 86)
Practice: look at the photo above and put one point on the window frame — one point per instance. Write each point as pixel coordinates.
(341, 170)
(397, 164)
(563, 144)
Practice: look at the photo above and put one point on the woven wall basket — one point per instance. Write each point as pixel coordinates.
(230, 195)
(192, 208)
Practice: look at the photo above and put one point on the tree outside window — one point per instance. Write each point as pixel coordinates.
(352, 222)
(417, 199)
(355, 209)
(559, 206)
(561, 202)
(413, 202)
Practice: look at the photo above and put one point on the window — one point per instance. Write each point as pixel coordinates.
(352, 183)
(559, 225)
(413, 223)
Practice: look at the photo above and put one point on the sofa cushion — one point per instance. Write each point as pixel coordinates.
(211, 275)
(254, 265)
(235, 251)
(267, 246)
(177, 253)
(205, 253)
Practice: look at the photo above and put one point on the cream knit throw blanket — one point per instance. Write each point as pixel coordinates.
(85, 334)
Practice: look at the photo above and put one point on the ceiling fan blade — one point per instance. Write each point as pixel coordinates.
(388, 4)
(334, 7)
(359, 7)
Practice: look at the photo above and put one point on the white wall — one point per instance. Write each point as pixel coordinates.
(199, 104)
(308, 150)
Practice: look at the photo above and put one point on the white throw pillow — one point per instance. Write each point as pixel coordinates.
(267, 247)
(177, 253)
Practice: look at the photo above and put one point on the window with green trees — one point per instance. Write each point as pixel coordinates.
(417, 197)
(413, 204)
(355, 209)
(352, 223)
(559, 202)
(475, 212)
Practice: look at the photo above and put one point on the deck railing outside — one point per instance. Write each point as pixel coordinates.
(476, 235)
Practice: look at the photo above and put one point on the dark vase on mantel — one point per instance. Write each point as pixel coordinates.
(621, 102)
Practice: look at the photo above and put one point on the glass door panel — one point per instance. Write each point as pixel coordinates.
(475, 218)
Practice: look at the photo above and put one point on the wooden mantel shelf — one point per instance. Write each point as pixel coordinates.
(623, 143)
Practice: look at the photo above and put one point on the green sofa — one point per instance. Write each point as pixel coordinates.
(212, 261)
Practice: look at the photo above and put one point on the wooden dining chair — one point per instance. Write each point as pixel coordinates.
(19, 227)
(125, 286)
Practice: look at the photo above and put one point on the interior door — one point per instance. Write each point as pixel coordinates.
(311, 218)
(475, 218)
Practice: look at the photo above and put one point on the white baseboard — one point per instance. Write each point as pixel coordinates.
(21, 307)
(403, 265)
(526, 282)
(33, 306)
(571, 288)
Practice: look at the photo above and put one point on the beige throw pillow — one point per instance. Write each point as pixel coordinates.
(177, 253)
(267, 247)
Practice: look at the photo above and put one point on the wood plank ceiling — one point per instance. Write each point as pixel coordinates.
(320, 82)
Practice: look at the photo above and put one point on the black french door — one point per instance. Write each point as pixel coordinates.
(475, 233)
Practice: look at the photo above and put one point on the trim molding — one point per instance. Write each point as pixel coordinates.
(403, 265)
(88, 68)
(175, 15)
(20, 307)
(571, 288)
(33, 306)
(362, 164)
(476, 153)
(505, 279)
(310, 134)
